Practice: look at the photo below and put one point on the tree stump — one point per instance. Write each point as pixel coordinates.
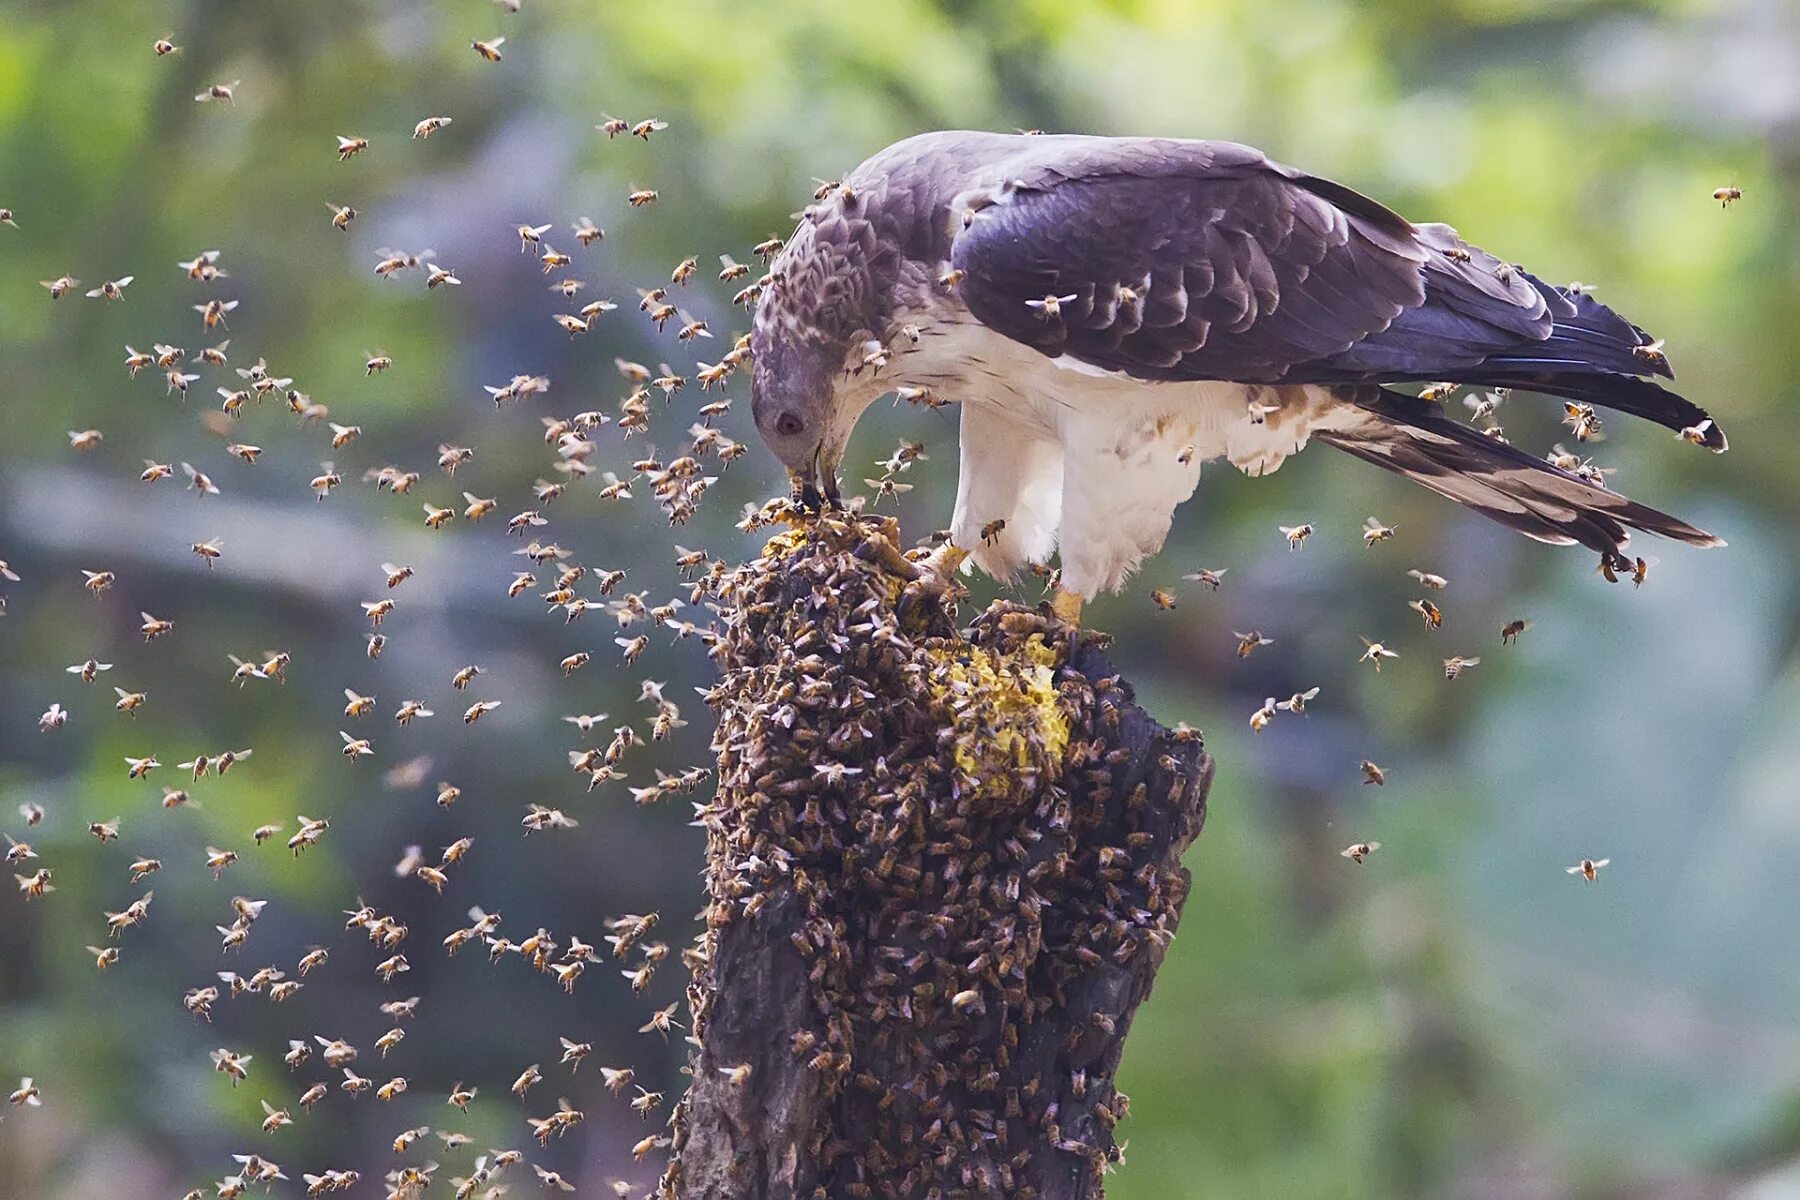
(942, 873)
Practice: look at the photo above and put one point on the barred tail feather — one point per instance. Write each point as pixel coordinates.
(1410, 437)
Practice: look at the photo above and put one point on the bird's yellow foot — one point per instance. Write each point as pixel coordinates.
(1066, 605)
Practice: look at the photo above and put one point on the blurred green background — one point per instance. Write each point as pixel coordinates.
(1454, 1018)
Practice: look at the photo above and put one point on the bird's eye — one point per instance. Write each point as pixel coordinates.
(789, 425)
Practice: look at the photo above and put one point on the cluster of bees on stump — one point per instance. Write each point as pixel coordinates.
(961, 837)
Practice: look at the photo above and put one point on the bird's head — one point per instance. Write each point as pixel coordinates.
(826, 299)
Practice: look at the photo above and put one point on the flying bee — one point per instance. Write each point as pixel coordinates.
(1373, 773)
(87, 439)
(661, 1021)
(209, 551)
(429, 126)
(178, 382)
(112, 289)
(1260, 719)
(1650, 352)
(478, 507)
(220, 91)
(1457, 664)
(1374, 652)
(1588, 868)
(476, 710)
(214, 312)
(1208, 579)
(570, 324)
(358, 705)
(632, 647)
(88, 670)
(1373, 531)
(639, 197)
(214, 356)
(355, 1084)
(349, 147)
(489, 50)
(139, 768)
(1162, 598)
(104, 957)
(464, 677)
(60, 286)
(1248, 642)
(27, 1093)
(1049, 307)
(130, 702)
(36, 886)
(1582, 419)
(1357, 851)
(437, 276)
(355, 747)
(1433, 615)
(613, 126)
(53, 717)
(1297, 702)
(236, 1066)
(643, 129)
(436, 518)
(1726, 195)
(1296, 535)
(17, 851)
(1482, 407)
(392, 1088)
(1436, 583)
(217, 860)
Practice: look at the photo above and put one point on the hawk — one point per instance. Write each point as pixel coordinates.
(1112, 313)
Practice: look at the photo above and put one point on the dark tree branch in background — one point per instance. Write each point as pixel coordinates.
(942, 874)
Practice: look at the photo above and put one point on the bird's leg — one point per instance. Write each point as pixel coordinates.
(1066, 604)
(934, 577)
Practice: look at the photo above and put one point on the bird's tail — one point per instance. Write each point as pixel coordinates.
(1411, 437)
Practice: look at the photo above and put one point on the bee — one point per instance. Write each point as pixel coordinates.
(389, 1040)
(220, 91)
(476, 710)
(349, 147)
(1373, 773)
(1588, 868)
(246, 452)
(86, 439)
(528, 1078)
(341, 216)
(177, 382)
(355, 1084)
(1208, 579)
(1582, 419)
(478, 507)
(53, 717)
(1260, 719)
(1652, 353)
(643, 129)
(310, 1097)
(209, 551)
(392, 1088)
(358, 705)
(1457, 664)
(436, 518)
(6, 218)
(214, 312)
(37, 884)
(112, 289)
(570, 325)
(88, 670)
(632, 647)
(1436, 583)
(355, 747)
(613, 126)
(437, 276)
(1640, 570)
(17, 851)
(639, 197)
(1296, 535)
(274, 1118)
(1726, 195)
(410, 710)
(1163, 599)
(1374, 652)
(129, 702)
(489, 50)
(1509, 632)
(1357, 851)
(263, 833)
(1297, 702)
(389, 967)
(140, 768)
(104, 957)
(465, 676)
(1433, 615)
(1049, 307)
(236, 1066)
(60, 286)
(214, 356)
(217, 860)
(538, 817)
(26, 1094)
(1248, 642)
(1373, 531)
(661, 1021)
(429, 126)
(587, 233)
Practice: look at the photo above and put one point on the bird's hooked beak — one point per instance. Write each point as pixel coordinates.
(815, 486)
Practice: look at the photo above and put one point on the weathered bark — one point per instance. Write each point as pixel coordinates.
(942, 874)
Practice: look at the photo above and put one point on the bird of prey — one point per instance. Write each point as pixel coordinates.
(1111, 313)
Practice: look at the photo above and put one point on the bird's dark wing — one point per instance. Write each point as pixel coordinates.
(1236, 268)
